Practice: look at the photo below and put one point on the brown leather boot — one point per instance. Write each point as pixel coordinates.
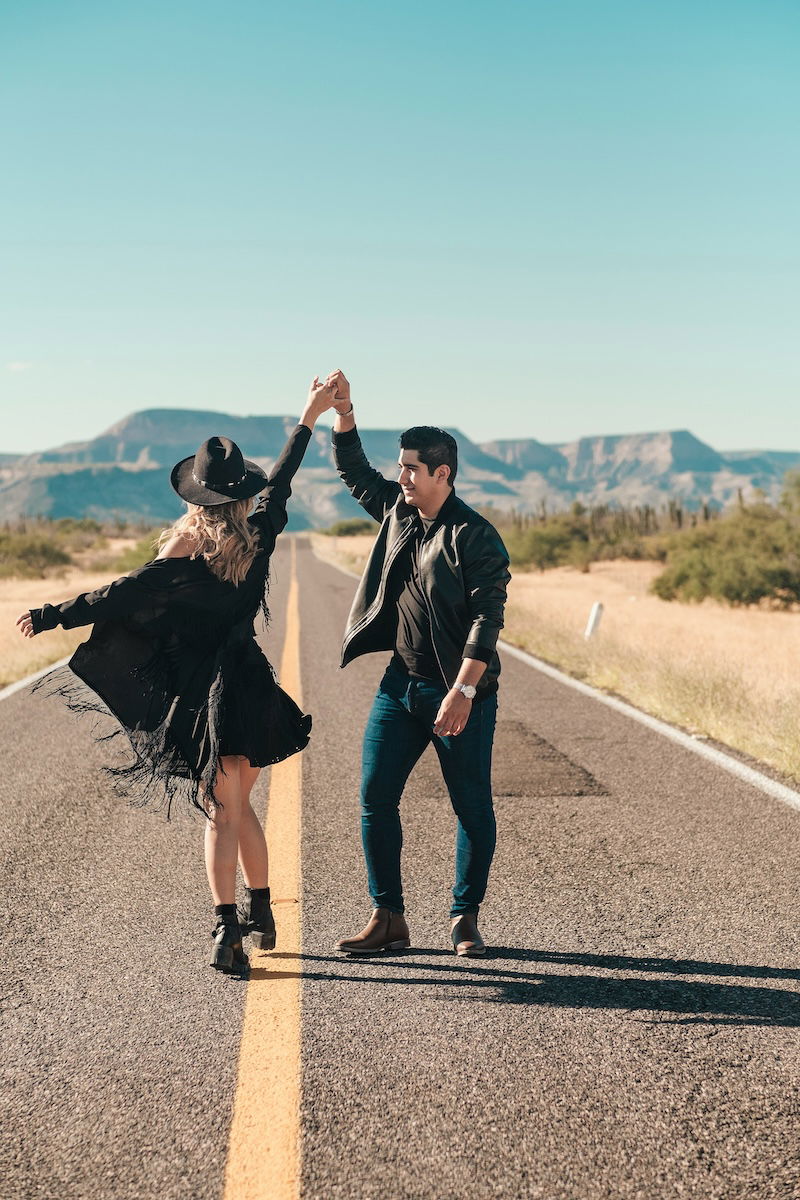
(385, 930)
(466, 937)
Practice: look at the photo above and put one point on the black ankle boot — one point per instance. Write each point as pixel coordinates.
(258, 919)
(228, 954)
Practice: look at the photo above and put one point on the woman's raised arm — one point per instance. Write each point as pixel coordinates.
(270, 513)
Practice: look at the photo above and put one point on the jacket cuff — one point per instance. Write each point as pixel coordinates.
(44, 618)
(348, 438)
(473, 650)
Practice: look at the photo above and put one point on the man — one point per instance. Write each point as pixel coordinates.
(433, 591)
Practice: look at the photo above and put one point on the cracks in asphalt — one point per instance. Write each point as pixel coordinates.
(696, 1001)
(529, 766)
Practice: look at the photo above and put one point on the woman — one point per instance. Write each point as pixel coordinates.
(172, 655)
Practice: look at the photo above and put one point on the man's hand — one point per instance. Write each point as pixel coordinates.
(342, 385)
(453, 714)
(25, 622)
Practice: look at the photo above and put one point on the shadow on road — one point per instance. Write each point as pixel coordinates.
(623, 962)
(691, 1002)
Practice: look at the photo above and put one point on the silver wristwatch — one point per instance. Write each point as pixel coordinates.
(469, 691)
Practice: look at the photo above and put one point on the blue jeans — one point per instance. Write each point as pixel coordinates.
(399, 728)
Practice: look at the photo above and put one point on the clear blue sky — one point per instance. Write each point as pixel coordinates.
(523, 219)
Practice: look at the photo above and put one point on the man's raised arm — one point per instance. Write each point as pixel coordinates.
(373, 492)
(343, 406)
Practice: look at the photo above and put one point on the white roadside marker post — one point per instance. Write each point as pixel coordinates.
(594, 620)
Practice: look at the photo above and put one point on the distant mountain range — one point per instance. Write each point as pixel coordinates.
(122, 472)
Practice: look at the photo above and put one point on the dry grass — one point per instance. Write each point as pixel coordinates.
(350, 552)
(21, 656)
(723, 673)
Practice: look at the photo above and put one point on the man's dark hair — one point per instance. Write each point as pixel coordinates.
(435, 448)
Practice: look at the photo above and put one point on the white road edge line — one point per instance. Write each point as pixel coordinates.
(770, 787)
(29, 679)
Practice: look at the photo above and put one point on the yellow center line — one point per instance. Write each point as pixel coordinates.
(264, 1145)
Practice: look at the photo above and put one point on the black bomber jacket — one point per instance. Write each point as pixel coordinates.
(463, 571)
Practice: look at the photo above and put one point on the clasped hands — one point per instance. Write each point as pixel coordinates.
(333, 393)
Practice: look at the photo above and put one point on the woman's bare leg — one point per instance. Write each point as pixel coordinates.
(252, 844)
(222, 833)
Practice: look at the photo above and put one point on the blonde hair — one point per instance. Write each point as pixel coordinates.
(221, 534)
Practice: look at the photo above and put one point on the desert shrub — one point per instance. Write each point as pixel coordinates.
(71, 534)
(34, 547)
(551, 543)
(30, 556)
(351, 527)
(135, 556)
(747, 555)
(575, 538)
(751, 555)
(651, 549)
(76, 533)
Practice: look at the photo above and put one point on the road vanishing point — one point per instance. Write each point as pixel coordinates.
(633, 1033)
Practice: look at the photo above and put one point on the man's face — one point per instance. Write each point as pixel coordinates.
(420, 488)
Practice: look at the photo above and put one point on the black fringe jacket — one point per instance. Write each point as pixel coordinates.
(173, 657)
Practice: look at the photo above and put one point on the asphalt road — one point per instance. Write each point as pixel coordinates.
(634, 1033)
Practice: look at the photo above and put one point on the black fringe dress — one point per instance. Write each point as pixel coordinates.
(173, 657)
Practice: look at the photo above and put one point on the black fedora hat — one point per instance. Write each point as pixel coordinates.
(216, 474)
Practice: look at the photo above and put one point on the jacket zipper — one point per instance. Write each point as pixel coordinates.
(433, 638)
(378, 601)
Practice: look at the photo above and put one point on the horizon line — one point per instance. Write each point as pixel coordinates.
(391, 429)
